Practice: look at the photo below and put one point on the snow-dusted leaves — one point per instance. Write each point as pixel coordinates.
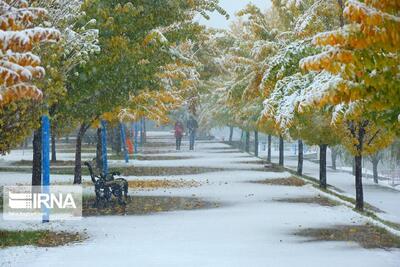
(17, 36)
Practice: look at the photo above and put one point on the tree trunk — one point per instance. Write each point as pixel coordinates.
(375, 163)
(118, 141)
(230, 134)
(53, 147)
(300, 158)
(78, 154)
(247, 146)
(322, 166)
(143, 132)
(256, 143)
(281, 151)
(353, 167)
(99, 162)
(333, 157)
(37, 157)
(242, 144)
(359, 187)
(269, 155)
(359, 134)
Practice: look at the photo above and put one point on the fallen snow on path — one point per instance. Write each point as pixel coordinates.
(382, 197)
(249, 229)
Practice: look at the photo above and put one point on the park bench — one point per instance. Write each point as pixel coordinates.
(106, 186)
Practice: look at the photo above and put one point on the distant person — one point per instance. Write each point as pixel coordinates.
(178, 134)
(192, 126)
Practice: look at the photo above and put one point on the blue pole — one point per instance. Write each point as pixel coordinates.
(123, 137)
(104, 146)
(141, 131)
(45, 162)
(136, 137)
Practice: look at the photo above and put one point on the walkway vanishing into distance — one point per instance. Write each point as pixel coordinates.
(246, 217)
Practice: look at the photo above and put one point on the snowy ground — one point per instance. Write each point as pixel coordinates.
(382, 197)
(249, 229)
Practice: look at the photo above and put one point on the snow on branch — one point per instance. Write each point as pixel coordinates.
(17, 36)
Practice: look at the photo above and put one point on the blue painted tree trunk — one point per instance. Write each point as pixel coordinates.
(104, 146)
(123, 142)
(45, 162)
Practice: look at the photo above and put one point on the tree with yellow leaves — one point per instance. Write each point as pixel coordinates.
(19, 67)
(153, 105)
(362, 58)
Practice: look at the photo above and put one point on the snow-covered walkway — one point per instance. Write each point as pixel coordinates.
(248, 229)
(381, 196)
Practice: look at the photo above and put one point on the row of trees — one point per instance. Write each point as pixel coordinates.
(109, 60)
(321, 72)
(324, 72)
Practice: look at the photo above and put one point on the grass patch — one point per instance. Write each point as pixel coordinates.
(163, 171)
(267, 167)
(142, 205)
(69, 163)
(73, 150)
(312, 180)
(290, 181)
(376, 218)
(274, 168)
(60, 170)
(227, 152)
(149, 158)
(57, 163)
(259, 162)
(127, 171)
(367, 236)
(151, 152)
(350, 200)
(224, 148)
(367, 206)
(38, 238)
(156, 184)
(319, 200)
(147, 185)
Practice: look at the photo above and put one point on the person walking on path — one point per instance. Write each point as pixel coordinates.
(192, 126)
(178, 134)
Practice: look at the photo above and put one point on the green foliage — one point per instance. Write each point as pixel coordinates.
(16, 121)
(135, 40)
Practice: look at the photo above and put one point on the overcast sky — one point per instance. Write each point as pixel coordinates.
(232, 6)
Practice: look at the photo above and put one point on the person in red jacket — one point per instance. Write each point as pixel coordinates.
(178, 134)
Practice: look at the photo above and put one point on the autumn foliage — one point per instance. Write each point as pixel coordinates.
(18, 36)
(364, 54)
